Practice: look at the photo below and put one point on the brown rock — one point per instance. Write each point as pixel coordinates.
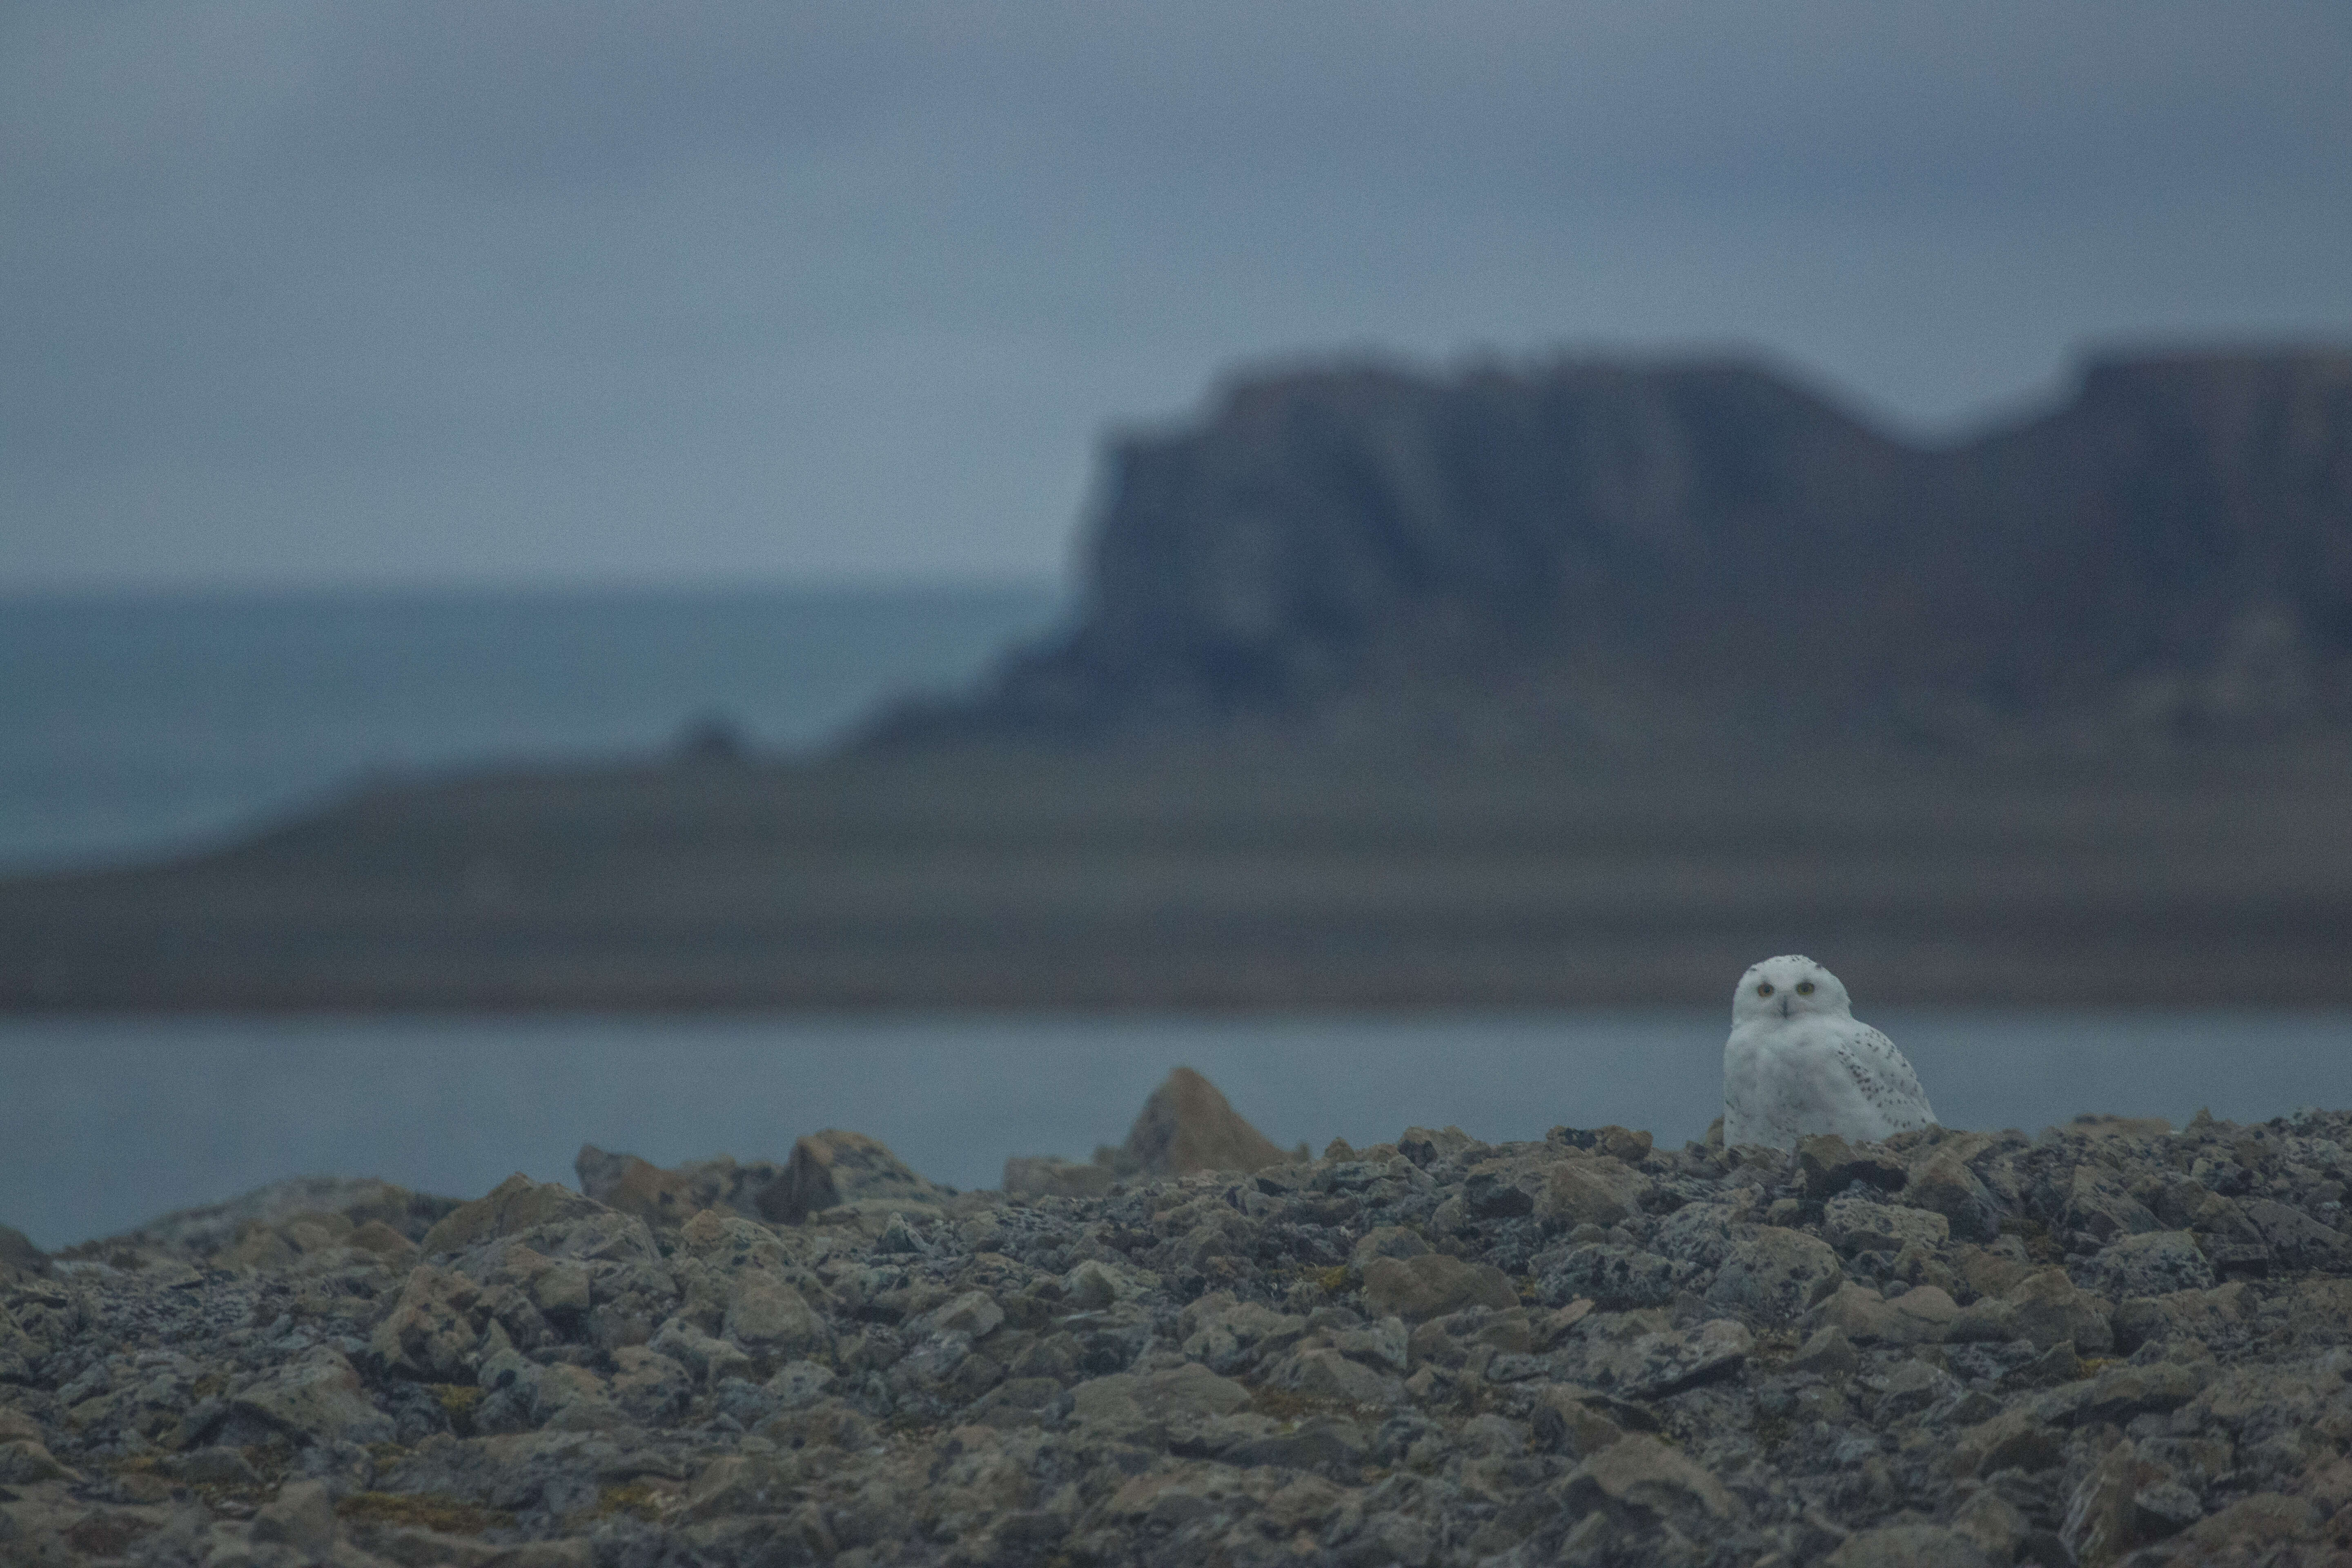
(1187, 1126)
(317, 1398)
(833, 1168)
(1908, 1546)
(640, 1187)
(1773, 1272)
(301, 1516)
(1829, 1164)
(667, 1197)
(384, 1242)
(1430, 1286)
(1589, 1191)
(515, 1204)
(1942, 1183)
(2015, 1438)
(19, 1257)
(1047, 1176)
(2251, 1526)
(1639, 1472)
(432, 1330)
(2048, 1309)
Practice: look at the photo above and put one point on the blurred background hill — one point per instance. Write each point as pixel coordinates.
(1584, 552)
(1557, 685)
(572, 507)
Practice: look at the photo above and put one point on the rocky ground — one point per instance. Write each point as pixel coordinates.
(2108, 1342)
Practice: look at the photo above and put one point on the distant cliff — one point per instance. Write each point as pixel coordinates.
(1590, 548)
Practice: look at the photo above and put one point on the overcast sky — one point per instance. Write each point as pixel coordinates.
(455, 290)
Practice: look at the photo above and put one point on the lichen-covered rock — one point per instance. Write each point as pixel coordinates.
(1616, 1277)
(432, 1329)
(1589, 1191)
(514, 1206)
(1908, 1546)
(1187, 1126)
(1853, 1224)
(2152, 1263)
(834, 1169)
(1773, 1274)
(1432, 1285)
(316, 1398)
(1392, 1354)
(1642, 1475)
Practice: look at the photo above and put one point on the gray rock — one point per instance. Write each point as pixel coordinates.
(1433, 1285)
(317, 1398)
(1908, 1546)
(1615, 1277)
(19, 1257)
(2153, 1263)
(1942, 1183)
(1773, 1273)
(1641, 1475)
(1853, 1224)
(1653, 1365)
(1589, 1191)
(834, 1169)
(1829, 1166)
(301, 1516)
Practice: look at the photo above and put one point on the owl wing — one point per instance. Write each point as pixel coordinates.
(1885, 1077)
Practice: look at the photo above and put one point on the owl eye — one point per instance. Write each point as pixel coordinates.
(1763, 988)
(1804, 988)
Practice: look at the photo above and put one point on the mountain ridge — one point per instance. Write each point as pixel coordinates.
(2165, 555)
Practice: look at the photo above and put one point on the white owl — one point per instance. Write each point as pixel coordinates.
(1797, 1063)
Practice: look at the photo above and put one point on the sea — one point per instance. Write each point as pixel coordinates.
(138, 726)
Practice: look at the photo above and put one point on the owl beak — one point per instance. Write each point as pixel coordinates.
(1784, 1004)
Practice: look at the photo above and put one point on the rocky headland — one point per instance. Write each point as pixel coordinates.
(1566, 683)
(1597, 554)
(2108, 1342)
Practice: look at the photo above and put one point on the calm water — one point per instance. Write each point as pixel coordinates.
(105, 1123)
(131, 725)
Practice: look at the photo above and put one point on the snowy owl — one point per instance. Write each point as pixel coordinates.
(1797, 1063)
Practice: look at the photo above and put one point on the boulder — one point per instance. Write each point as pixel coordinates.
(1433, 1285)
(1653, 1365)
(1941, 1182)
(1132, 1399)
(432, 1330)
(318, 1398)
(2152, 1263)
(1920, 1316)
(19, 1259)
(1703, 1233)
(834, 1169)
(302, 1517)
(2099, 1209)
(18, 1350)
(2048, 1309)
(662, 1197)
(1828, 1165)
(515, 1206)
(1186, 1125)
(1615, 1277)
(1855, 1225)
(1589, 1191)
(1908, 1546)
(1639, 1475)
(1773, 1273)
(769, 1318)
(1048, 1176)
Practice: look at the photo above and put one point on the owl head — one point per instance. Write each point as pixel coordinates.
(1789, 986)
